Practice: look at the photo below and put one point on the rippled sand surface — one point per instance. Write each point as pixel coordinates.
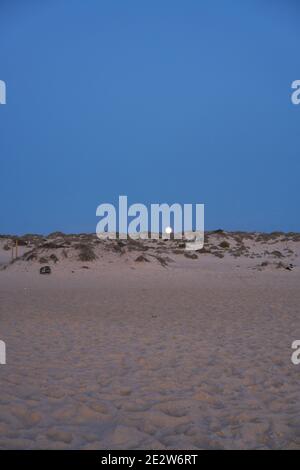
(196, 355)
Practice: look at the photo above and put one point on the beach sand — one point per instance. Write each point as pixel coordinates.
(125, 354)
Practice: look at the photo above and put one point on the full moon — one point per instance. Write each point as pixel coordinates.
(168, 230)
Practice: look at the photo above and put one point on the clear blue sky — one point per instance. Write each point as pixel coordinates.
(165, 101)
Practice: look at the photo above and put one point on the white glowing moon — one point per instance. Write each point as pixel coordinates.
(168, 230)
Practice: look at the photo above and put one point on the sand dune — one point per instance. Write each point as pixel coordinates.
(180, 352)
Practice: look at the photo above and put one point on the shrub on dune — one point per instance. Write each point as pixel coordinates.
(224, 244)
(86, 252)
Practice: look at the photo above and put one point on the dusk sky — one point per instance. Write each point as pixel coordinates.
(162, 101)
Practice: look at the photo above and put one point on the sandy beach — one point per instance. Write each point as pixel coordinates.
(147, 347)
